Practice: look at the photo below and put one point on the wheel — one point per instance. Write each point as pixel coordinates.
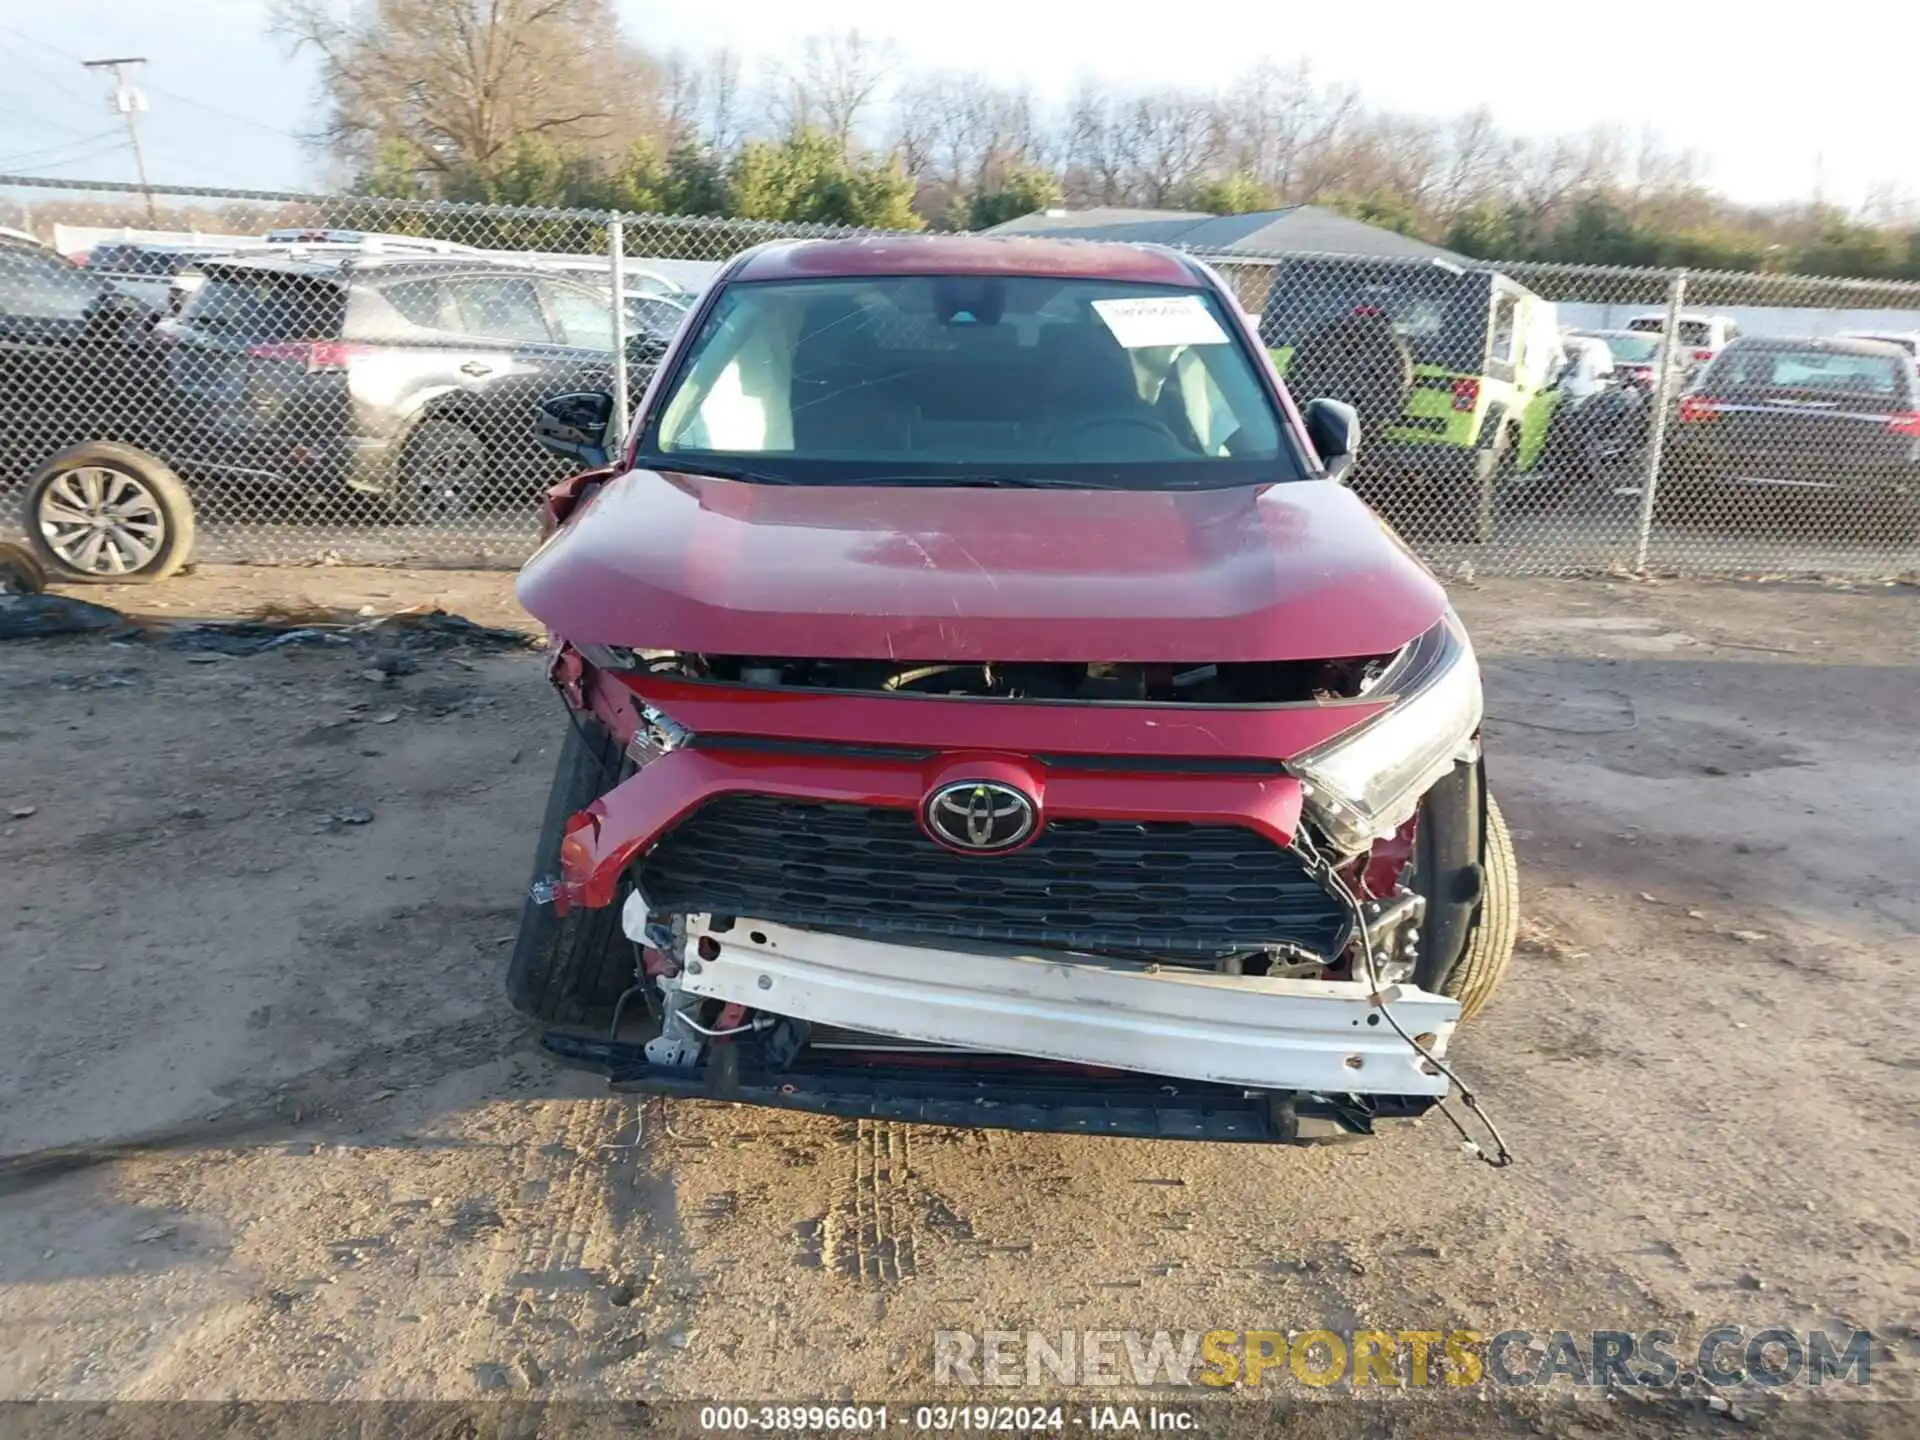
(108, 512)
(1464, 865)
(21, 572)
(1496, 929)
(572, 969)
(443, 474)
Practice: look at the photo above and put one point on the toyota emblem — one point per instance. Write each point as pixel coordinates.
(981, 816)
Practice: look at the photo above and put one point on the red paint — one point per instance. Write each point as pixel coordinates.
(562, 499)
(1279, 572)
(1015, 255)
(606, 837)
(1247, 732)
(1387, 861)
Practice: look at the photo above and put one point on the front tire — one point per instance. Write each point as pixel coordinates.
(1484, 960)
(1464, 865)
(572, 969)
(105, 513)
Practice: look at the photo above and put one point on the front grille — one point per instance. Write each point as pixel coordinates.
(1084, 884)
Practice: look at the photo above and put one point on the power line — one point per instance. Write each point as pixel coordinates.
(39, 120)
(45, 152)
(234, 116)
(84, 159)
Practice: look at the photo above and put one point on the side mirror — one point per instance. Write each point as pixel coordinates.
(117, 313)
(1334, 428)
(574, 426)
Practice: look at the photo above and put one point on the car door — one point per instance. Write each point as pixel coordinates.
(582, 321)
(583, 317)
(519, 363)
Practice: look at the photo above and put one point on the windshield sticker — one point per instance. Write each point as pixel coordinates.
(1164, 320)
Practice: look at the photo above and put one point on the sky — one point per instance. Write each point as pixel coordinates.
(1775, 107)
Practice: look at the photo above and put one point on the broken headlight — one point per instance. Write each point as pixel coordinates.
(1367, 782)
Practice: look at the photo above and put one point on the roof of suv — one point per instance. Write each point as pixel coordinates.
(346, 263)
(1015, 255)
(1830, 344)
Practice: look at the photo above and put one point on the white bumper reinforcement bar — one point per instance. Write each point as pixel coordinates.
(1321, 1036)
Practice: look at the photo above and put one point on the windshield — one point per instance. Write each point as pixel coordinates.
(932, 378)
(1634, 349)
(267, 305)
(1826, 372)
(1440, 315)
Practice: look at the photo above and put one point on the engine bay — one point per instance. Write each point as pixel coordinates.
(1246, 683)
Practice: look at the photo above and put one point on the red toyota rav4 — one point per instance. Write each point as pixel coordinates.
(987, 707)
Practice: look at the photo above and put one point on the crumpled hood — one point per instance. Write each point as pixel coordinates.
(681, 562)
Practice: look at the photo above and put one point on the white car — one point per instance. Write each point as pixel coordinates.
(1589, 368)
(365, 240)
(1907, 340)
(1701, 336)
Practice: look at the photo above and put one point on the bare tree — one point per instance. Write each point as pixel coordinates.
(1166, 137)
(1476, 160)
(458, 83)
(723, 121)
(1095, 147)
(832, 82)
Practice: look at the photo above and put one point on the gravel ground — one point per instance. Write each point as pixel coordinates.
(270, 1132)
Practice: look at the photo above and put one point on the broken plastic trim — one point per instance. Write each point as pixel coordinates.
(658, 734)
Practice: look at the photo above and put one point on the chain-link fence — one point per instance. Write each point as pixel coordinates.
(287, 379)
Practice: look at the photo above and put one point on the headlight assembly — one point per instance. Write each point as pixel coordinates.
(1364, 784)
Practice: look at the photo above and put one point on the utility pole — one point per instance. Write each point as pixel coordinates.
(129, 101)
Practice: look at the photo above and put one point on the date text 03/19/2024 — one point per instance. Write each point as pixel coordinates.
(940, 1419)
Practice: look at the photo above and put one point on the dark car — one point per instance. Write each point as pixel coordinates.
(414, 379)
(1832, 422)
(147, 271)
(988, 707)
(82, 424)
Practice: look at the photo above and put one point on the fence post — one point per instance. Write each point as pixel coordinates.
(616, 250)
(1657, 433)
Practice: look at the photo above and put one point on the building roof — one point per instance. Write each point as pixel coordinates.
(968, 255)
(1292, 230)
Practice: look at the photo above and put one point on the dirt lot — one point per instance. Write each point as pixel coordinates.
(271, 1133)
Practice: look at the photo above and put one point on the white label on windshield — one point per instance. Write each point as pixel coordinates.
(1163, 320)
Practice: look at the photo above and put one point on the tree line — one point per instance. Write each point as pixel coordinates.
(549, 102)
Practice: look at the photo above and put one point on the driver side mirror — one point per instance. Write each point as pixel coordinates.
(1334, 428)
(117, 313)
(574, 426)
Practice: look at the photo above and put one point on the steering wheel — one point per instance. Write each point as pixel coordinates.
(1120, 419)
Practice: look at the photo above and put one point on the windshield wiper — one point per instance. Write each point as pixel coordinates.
(712, 470)
(984, 482)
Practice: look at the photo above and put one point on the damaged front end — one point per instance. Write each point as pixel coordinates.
(1174, 900)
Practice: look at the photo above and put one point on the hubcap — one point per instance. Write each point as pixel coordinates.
(101, 521)
(448, 477)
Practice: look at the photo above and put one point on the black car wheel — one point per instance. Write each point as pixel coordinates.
(444, 474)
(572, 969)
(1464, 865)
(105, 512)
